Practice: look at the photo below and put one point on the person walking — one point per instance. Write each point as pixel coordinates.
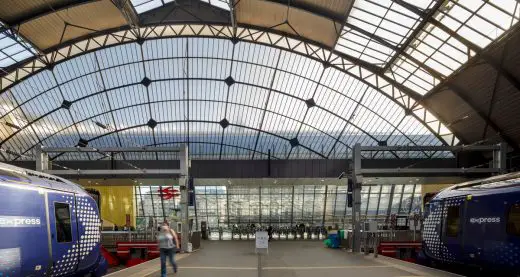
(168, 242)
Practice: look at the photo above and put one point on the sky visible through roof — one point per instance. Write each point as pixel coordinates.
(251, 98)
(284, 95)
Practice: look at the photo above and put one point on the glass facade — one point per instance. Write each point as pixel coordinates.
(282, 205)
(158, 202)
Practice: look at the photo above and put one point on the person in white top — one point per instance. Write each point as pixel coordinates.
(168, 242)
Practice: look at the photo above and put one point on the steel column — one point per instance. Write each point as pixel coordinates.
(357, 180)
(42, 160)
(324, 205)
(183, 183)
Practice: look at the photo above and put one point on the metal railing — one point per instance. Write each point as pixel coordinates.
(109, 239)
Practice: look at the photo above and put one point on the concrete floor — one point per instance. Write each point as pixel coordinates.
(285, 259)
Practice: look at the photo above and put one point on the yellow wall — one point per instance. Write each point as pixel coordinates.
(433, 188)
(116, 203)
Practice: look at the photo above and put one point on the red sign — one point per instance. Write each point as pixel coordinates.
(169, 193)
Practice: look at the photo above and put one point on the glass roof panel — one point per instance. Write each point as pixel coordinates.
(479, 22)
(276, 97)
(371, 22)
(166, 133)
(142, 6)
(13, 48)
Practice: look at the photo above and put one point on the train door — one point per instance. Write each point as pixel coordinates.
(452, 231)
(64, 232)
(486, 218)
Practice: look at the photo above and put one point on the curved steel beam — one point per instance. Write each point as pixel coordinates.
(208, 79)
(200, 142)
(168, 101)
(348, 121)
(204, 121)
(361, 70)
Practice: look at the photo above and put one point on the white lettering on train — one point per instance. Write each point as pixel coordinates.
(19, 221)
(481, 220)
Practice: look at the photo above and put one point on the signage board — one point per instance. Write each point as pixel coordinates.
(262, 240)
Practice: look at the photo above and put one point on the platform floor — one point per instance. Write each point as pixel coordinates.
(285, 259)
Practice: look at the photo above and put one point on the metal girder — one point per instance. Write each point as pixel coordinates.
(213, 122)
(432, 148)
(498, 152)
(110, 149)
(372, 36)
(459, 91)
(128, 12)
(361, 70)
(233, 17)
(497, 65)
(477, 49)
(426, 171)
(425, 16)
(108, 172)
(399, 52)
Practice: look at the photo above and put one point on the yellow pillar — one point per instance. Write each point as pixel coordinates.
(116, 202)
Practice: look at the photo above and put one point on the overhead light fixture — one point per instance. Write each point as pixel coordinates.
(13, 125)
(101, 125)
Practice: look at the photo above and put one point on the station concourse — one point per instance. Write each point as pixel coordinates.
(237, 258)
(269, 137)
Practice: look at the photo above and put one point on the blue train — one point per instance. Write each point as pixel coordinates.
(476, 224)
(48, 226)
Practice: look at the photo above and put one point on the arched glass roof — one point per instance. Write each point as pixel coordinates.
(226, 100)
(299, 79)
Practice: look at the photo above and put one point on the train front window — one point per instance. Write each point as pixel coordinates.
(453, 221)
(513, 220)
(63, 226)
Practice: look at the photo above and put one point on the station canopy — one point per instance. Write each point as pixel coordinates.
(292, 79)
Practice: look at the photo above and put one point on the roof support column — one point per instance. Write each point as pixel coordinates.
(500, 158)
(42, 159)
(183, 184)
(357, 181)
